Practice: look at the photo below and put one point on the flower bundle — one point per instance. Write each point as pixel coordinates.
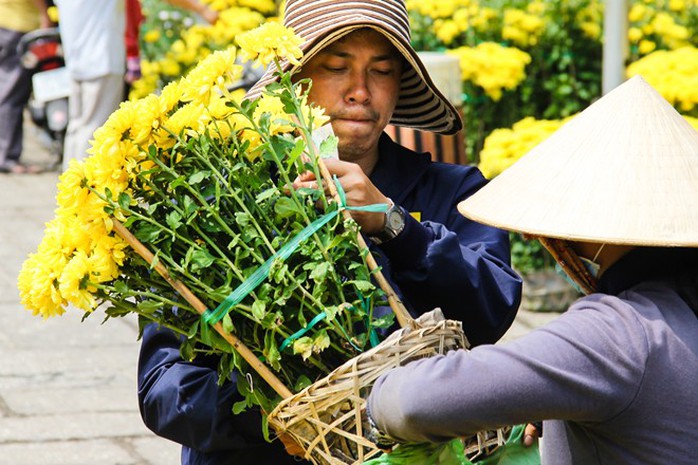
(204, 180)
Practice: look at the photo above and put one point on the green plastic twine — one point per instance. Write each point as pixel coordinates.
(373, 336)
(319, 317)
(262, 273)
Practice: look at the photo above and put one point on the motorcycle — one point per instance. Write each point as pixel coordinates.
(42, 56)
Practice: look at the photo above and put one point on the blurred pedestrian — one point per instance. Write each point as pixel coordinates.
(17, 17)
(93, 35)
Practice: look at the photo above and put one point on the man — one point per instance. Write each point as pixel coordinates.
(93, 36)
(17, 17)
(612, 196)
(365, 74)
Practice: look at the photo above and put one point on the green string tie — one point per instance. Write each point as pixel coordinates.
(373, 335)
(262, 273)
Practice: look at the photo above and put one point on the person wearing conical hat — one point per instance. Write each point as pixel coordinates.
(365, 74)
(614, 196)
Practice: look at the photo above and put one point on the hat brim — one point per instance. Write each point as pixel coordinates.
(420, 104)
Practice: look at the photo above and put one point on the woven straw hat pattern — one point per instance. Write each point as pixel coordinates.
(320, 22)
(623, 171)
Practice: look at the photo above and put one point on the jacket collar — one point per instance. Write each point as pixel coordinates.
(398, 169)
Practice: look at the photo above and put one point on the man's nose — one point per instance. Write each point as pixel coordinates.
(358, 91)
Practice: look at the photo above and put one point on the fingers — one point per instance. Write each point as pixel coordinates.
(305, 180)
(531, 434)
(340, 168)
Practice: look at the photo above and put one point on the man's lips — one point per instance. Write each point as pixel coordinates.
(355, 117)
(354, 120)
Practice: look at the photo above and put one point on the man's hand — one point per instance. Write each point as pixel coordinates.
(209, 15)
(359, 190)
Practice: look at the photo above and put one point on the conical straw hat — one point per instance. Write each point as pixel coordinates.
(623, 171)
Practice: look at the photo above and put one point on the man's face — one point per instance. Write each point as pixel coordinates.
(357, 80)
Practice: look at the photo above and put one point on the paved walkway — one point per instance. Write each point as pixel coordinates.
(68, 388)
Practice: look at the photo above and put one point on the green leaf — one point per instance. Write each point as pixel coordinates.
(193, 330)
(227, 323)
(242, 218)
(198, 176)
(363, 286)
(285, 207)
(239, 407)
(120, 286)
(321, 341)
(385, 321)
(148, 306)
(331, 311)
(179, 181)
(271, 351)
(186, 350)
(147, 232)
(200, 259)
(303, 346)
(296, 151)
(174, 220)
(320, 271)
(278, 271)
(328, 147)
(124, 201)
(189, 206)
(301, 383)
(259, 310)
(264, 195)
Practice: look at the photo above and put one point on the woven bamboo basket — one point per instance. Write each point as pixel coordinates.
(326, 419)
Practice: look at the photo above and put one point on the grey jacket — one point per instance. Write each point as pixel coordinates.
(615, 378)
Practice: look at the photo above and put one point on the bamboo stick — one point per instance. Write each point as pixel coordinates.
(199, 306)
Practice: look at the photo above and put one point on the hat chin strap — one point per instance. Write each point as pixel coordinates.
(569, 261)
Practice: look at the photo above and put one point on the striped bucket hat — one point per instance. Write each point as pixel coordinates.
(320, 22)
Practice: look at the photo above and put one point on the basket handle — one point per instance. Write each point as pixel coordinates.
(199, 306)
(401, 313)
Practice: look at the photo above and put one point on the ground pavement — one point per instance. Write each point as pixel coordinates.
(68, 388)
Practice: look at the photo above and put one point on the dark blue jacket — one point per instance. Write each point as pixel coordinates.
(443, 260)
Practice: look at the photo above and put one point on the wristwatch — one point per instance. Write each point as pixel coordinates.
(375, 435)
(394, 224)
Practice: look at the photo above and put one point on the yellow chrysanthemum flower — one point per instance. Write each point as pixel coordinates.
(646, 47)
(211, 75)
(504, 146)
(492, 67)
(73, 282)
(692, 121)
(674, 74)
(272, 107)
(153, 35)
(271, 41)
(37, 290)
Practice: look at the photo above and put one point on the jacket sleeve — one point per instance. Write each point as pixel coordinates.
(563, 371)
(459, 265)
(183, 402)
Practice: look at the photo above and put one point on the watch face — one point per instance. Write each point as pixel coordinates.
(395, 220)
